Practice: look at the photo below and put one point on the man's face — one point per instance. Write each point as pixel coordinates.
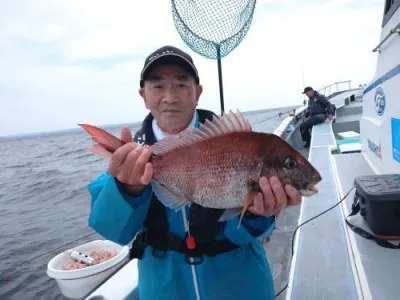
(310, 94)
(171, 95)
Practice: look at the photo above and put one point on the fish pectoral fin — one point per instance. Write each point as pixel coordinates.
(248, 200)
(168, 198)
(229, 213)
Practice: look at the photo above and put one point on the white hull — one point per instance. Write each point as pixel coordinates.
(380, 123)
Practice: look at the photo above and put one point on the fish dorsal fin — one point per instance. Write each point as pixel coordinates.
(228, 123)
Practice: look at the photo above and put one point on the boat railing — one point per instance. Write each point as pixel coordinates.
(333, 88)
(394, 30)
(283, 129)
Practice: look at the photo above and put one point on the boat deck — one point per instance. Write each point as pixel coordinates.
(331, 261)
(348, 117)
(377, 268)
(321, 266)
(279, 246)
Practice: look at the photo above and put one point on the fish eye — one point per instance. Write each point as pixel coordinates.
(290, 162)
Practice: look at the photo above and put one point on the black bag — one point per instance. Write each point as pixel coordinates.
(377, 199)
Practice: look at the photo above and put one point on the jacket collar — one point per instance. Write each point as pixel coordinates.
(146, 135)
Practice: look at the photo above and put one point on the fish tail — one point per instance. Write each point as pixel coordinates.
(104, 139)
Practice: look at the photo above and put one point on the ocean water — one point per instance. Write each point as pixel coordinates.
(44, 202)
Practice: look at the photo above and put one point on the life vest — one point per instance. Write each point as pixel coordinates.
(203, 224)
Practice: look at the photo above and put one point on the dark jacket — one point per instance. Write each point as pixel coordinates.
(320, 106)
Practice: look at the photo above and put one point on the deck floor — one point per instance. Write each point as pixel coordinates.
(378, 267)
(322, 267)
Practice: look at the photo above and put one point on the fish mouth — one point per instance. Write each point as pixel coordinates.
(309, 191)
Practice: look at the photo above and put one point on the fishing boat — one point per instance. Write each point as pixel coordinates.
(330, 260)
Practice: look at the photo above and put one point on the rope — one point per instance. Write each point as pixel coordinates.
(280, 114)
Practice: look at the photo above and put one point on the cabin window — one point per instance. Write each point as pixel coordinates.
(389, 4)
(391, 7)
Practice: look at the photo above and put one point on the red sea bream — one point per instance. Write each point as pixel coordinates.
(219, 164)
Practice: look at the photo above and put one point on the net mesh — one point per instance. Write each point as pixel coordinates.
(213, 28)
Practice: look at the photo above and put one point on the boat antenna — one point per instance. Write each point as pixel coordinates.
(213, 28)
(304, 96)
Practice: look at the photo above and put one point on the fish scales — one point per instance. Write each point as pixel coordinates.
(214, 172)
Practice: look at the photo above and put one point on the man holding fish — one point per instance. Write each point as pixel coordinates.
(195, 191)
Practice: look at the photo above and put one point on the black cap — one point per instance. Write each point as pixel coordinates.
(168, 55)
(307, 89)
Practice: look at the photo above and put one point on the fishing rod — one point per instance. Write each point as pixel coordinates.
(6, 274)
(305, 222)
(287, 112)
(291, 112)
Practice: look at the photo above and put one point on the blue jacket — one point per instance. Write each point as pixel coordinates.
(239, 274)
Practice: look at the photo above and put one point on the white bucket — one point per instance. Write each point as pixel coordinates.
(76, 284)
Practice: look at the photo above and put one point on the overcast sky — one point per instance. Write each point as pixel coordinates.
(64, 62)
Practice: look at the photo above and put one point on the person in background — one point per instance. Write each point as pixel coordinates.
(319, 108)
(221, 261)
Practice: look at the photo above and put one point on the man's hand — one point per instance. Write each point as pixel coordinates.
(330, 117)
(274, 197)
(130, 165)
